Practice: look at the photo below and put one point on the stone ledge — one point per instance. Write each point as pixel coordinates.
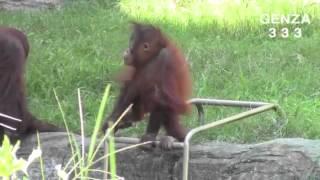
(280, 159)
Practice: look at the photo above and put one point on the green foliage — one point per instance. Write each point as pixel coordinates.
(10, 164)
(83, 163)
(112, 152)
(98, 124)
(228, 15)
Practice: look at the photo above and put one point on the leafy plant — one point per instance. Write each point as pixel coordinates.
(10, 165)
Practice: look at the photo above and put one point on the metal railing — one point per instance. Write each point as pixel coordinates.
(255, 108)
(258, 107)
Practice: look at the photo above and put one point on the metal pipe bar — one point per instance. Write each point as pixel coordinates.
(232, 103)
(128, 140)
(214, 124)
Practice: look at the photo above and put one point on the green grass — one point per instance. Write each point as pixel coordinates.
(230, 54)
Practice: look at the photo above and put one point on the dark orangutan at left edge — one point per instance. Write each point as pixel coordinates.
(14, 49)
(155, 80)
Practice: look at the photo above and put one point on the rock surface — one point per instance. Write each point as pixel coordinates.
(29, 4)
(280, 159)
